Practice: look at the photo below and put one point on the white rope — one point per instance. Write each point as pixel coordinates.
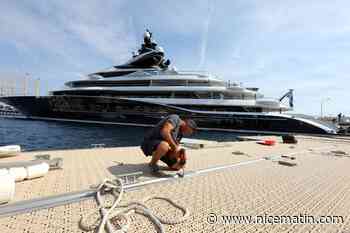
(108, 212)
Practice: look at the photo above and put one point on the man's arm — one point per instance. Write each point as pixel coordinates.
(166, 134)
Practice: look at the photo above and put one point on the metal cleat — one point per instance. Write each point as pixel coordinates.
(130, 178)
(181, 173)
(43, 157)
(101, 145)
(55, 163)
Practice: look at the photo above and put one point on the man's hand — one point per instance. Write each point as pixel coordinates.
(181, 160)
(173, 153)
(176, 150)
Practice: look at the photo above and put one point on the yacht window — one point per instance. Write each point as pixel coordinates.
(152, 72)
(111, 83)
(169, 82)
(185, 95)
(143, 94)
(218, 95)
(204, 83)
(233, 95)
(198, 83)
(114, 73)
(116, 93)
(217, 83)
(202, 95)
(192, 95)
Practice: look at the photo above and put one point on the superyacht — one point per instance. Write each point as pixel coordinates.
(147, 88)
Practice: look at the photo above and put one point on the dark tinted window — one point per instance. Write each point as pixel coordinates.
(168, 82)
(204, 83)
(106, 83)
(111, 83)
(114, 74)
(116, 93)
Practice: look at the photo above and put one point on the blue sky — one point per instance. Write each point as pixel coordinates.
(274, 45)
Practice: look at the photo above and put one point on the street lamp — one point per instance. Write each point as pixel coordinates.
(37, 87)
(25, 86)
(323, 101)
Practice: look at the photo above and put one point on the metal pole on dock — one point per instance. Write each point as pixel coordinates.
(68, 198)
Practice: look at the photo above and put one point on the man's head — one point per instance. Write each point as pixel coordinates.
(188, 127)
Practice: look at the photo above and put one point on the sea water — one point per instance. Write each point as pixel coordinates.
(48, 135)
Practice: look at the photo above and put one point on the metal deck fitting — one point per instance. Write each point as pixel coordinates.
(63, 199)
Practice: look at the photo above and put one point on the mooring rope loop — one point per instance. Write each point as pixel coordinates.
(121, 212)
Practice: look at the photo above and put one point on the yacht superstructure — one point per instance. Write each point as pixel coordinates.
(147, 87)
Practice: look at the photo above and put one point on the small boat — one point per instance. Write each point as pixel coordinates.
(9, 151)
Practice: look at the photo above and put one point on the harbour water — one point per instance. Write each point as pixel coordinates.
(49, 135)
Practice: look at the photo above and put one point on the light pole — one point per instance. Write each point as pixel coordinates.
(323, 101)
(37, 87)
(25, 86)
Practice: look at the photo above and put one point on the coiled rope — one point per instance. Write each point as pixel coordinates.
(109, 212)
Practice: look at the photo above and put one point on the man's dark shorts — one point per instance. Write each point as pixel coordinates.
(149, 146)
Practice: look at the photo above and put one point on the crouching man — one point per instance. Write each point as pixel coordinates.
(162, 142)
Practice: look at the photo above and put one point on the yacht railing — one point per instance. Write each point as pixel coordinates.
(193, 72)
(230, 84)
(156, 71)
